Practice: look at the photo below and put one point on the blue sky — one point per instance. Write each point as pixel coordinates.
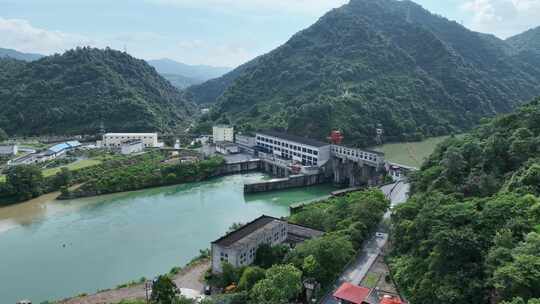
(214, 32)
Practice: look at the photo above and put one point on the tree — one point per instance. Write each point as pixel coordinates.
(25, 181)
(63, 178)
(281, 284)
(229, 275)
(521, 276)
(164, 291)
(324, 257)
(3, 135)
(267, 255)
(250, 277)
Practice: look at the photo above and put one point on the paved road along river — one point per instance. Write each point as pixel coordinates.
(54, 249)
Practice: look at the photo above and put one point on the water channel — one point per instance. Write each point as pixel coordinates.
(55, 249)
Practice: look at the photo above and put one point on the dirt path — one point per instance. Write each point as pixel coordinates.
(190, 278)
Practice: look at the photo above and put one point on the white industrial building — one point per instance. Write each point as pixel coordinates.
(115, 140)
(239, 247)
(307, 151)
(131, 146)
(223, 133)
(226, 148)
(9, 150)
(373, 157)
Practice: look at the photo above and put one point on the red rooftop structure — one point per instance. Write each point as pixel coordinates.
(351, 294)
(336, 137)
(391, 300)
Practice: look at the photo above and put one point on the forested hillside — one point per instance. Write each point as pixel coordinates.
(377, 63)
(471, 231)
(210, 91)
(13, 54)
(75, 92)
(527, 47)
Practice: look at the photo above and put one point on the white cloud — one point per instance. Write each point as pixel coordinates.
(308, 7)
(21, 35)
(502, 17)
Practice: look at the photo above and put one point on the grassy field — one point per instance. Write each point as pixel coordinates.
(411, 154)
(73, 166)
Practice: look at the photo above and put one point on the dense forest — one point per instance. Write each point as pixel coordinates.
(115, 174)
(74, 93)
(471, 231)
(371, 64)
(278, 271)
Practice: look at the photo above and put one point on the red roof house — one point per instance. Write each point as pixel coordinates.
(351, 294)
(391, 300)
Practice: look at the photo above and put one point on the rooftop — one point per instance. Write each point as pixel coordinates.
(130, 134)
(225, 144)
(352, 293)
(297, 233)
(294, 138)
(244, 231)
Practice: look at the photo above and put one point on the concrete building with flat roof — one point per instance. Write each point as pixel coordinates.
(9, 150)
(223, 133)
(227, 148)
(239, 247)
(132, 146)
(115, 140)
(307, 151)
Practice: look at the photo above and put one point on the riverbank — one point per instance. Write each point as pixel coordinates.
(190, 278)
(112, 239)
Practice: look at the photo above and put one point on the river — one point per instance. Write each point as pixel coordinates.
(53, 249)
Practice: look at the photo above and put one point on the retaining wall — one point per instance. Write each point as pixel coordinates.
(295, 181)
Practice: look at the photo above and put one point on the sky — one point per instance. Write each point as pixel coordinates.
(210, 32)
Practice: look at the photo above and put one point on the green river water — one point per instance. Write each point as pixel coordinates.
(55, 249)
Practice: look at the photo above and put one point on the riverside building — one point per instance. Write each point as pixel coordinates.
(239, 247)
(115, 140)
(307, 151)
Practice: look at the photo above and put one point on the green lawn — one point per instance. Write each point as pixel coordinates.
(73, 166)
(410, 154)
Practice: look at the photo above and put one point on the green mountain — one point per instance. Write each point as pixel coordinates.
(210, 91)
(377, 63)
(13, 54)
(184, 75)
(74, 93)
(471, 231)
(527, 41)
(181, 82)
(527, 46)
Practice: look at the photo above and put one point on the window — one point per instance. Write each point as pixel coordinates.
(315, 152)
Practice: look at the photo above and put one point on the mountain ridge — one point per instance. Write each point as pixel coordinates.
(14, 54)
(368, 59)
(183, 75)
(78, 91)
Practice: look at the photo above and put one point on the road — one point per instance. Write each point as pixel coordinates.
(357, 270)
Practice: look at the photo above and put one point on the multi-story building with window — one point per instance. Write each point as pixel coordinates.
(239, 247)
(223, 133)
(115, 140)
(307, 151)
